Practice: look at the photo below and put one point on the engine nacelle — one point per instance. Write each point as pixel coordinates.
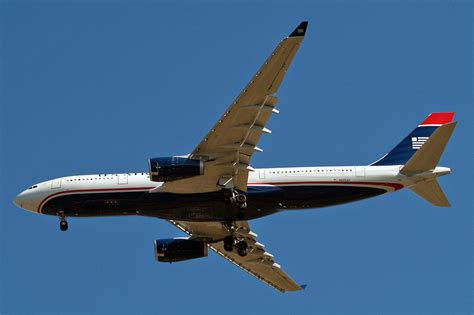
(163, 169)
(172, 250)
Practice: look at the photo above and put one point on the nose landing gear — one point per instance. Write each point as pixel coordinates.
(63, 226)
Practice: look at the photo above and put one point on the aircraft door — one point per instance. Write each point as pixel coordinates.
(261, 174)
(360, 171)
(56, 183)
(122, 179)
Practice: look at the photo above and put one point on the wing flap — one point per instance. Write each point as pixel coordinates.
(258, 262)
(263, 269)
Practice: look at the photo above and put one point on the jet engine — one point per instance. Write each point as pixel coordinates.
(163, 169)
(178, 249)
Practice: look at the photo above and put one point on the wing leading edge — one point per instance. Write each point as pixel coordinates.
(229, 145)
(226, 151)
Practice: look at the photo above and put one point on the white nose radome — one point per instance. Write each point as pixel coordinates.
(17, 201)
(25, 201)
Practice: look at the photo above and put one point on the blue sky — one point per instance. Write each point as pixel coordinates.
(93, 87)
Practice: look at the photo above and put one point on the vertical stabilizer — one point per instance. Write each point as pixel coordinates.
(419, 153)
(416, 140)
(427, 157)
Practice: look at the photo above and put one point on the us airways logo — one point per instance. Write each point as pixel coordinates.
(417, 142)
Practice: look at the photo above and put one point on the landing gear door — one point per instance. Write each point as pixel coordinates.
(360, 171)
(56, 183)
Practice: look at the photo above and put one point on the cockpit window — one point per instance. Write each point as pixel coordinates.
(32, 187)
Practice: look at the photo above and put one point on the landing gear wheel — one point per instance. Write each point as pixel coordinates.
(239, 199)
(241, 248)
(228, 247)
(63, 225)
(242, 252)
(236, 198)
(62, 221)
(229, 243)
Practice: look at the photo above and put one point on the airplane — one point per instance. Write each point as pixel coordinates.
(212, 193)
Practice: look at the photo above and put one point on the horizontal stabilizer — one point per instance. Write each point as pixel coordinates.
(431, 192)
(427, 157)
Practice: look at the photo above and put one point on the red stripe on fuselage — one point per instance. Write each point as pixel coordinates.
(393, 185)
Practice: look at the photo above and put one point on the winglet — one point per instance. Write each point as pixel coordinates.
(300, 30)
(303, 286)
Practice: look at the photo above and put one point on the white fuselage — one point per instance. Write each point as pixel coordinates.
(386, 177)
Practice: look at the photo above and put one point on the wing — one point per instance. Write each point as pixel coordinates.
(229, 145)
(257, 262)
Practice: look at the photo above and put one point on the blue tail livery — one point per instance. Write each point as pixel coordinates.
(415, 140)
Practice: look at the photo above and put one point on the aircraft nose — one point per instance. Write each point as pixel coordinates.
(24, 201)
(18, 200)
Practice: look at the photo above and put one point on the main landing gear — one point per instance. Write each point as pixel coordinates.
(240, 245)
(63, 226)
(237, 198)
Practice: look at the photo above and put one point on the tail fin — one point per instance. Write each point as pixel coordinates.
(431, 192)
(437, 126)
(427, 157)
